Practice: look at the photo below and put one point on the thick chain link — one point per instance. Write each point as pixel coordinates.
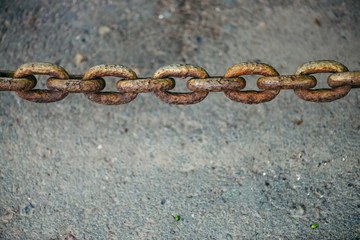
(91, 84)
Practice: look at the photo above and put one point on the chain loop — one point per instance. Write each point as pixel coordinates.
(339, 79)
(145, 85)
(110, 98)
(322, 95)
(183, 71)
(41, 95)
(216, 84)
(251, 68)
(286, 82)
(75, 84)
(9, 83)
(321, 66)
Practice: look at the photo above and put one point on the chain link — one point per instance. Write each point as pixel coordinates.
(183, 71)
(91, 84)
(110, 98)
(322, 95)
(251, 97)
(41, 95)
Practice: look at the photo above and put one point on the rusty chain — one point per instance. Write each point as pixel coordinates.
(91, 84)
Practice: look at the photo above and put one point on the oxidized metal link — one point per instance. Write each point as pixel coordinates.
(145, 85)
(75, 84)
(109, 70)
(322, 95)
(183, 71)
(41, 95)
(286, 82)
(322, 66)
(110, 98)
(251, 97)
(181, 98)
(8, 83)
(41, 68)
(339, 79)
(216, 84)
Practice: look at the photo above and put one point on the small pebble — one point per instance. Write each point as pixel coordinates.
(297, 123)
(317, 22)
(301, 210)
(164, 15)
(79, 58)
(104, 30)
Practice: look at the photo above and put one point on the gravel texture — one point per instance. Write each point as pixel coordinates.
(76, 169)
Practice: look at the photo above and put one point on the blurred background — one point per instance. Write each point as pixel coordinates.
(75, 168)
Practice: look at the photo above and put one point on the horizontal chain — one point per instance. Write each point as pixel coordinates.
(128, 86)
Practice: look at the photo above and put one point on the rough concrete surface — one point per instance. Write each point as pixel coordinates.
(229, 170)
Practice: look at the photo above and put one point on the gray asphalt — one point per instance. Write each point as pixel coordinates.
(228, 170)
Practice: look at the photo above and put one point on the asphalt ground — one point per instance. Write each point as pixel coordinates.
(228, 170)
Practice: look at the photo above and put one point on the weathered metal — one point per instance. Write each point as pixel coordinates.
(183, 71)
(286, 82)
(9, 83)
(251, 97)
(75, 84)
(339, 79)
(322, 95)
(145, 85)
(91, 84)
(216, 84)
(110, 98)
(41, 95)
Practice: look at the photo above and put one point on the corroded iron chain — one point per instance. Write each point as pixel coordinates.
(91, 84)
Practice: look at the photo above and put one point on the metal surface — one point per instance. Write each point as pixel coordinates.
(41, 95)
(286, 82)
(75, 84)
(251, 97)
(61, 83)
(183, 71)
(9, 83)
(338, 79)
(322, 95)
(145, 85)
(110, 98)
(216, 84)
